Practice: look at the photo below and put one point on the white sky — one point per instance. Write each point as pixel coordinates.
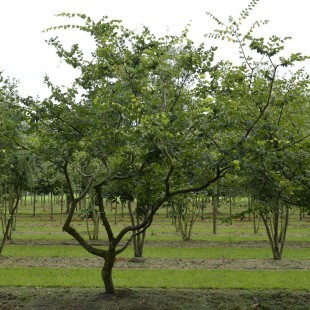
(25, 56)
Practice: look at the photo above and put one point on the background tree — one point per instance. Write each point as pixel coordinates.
(275, 150)
(14, 160)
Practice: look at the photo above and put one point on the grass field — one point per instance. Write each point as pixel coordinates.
(198, 278)
(39, 240)
(156, 252)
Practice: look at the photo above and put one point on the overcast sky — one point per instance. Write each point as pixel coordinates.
(25, 56)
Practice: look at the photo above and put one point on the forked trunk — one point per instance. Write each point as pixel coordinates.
(138, 243)
(276, 224)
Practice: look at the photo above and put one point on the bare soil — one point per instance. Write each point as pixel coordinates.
(149, 299)
(187, 244)
(156, 263)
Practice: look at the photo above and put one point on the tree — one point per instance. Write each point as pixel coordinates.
(185, 211)
(274, 155)
(277, 183)
(14, 162)
(154, 116)
(131, 112)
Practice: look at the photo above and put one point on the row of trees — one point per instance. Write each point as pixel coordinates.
(153, 119)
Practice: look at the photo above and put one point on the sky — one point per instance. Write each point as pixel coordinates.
(25, 56)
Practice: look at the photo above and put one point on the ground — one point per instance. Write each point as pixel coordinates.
(160, 299)
(149, 299)
(95, 298)
(166, 263)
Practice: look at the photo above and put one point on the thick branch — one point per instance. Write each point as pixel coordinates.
(67, 177)
(295, 142)
(103, 216)
(124, 247)
(146, 222)
(220, 173)
(89, 248)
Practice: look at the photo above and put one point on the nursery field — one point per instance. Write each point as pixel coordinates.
(233, 269)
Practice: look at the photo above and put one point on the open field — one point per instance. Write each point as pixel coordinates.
(234, 269)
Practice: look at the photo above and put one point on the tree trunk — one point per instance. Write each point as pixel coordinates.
(96, 221)
(249, 207)
(44, 201)
(61, 204)
(276, 234)
(106, 272)
(9, 225)
(230, 211)
(52, 207)
(138, 242)
(123, 205)
(256, 222)
(115, 214)
(68, 203)
(139, 239)
(215, 201)
(87, 227)
(34, 204)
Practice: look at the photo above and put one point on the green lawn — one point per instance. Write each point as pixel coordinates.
(41, 227)
(156, 252)
(198, 278)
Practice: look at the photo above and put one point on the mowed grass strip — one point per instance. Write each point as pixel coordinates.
(155, 252)
(44, 236)
(166, 238)
(232, 238)
(236, 279)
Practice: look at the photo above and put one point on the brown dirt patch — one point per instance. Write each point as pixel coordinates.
(150, 299)
(157, 263)
(179, 244)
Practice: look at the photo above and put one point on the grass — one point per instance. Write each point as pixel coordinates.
(225, 252)
(36, 228)
(59, 235)
(156, 252)
(41, 227)
(198, 278)
(47, 236)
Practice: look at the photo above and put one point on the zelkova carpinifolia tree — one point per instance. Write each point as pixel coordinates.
(276, 167)
(130, 119)
(15, 162)
(155, 116)
(275, 155)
